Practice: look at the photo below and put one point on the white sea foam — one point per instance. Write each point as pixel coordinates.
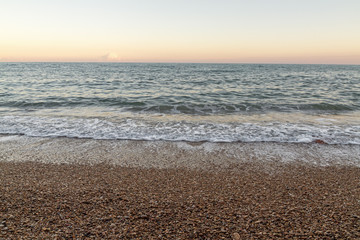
(146, 128)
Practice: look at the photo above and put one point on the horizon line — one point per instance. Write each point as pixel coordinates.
(160, 62)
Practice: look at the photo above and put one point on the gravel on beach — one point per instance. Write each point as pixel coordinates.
(72, 201)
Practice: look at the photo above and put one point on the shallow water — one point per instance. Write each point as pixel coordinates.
(166, 154)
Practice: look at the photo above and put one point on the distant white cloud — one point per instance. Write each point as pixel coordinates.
(110, 57)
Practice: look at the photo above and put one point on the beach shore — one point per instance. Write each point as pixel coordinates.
(74, 189)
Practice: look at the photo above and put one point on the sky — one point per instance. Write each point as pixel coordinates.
(222, 31)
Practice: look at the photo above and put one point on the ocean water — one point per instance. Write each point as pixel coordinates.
(182, 102)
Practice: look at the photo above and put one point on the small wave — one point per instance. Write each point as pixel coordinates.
(182, 130)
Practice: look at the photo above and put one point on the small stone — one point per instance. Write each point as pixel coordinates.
(236, 236)
(319, 141)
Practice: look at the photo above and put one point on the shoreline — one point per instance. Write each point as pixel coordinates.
(169, 155)
(81, 188)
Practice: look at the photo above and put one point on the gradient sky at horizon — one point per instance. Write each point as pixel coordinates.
(243, 31)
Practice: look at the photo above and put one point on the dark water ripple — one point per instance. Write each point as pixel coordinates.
(174, 88)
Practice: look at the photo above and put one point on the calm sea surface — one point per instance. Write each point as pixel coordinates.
(187, 102)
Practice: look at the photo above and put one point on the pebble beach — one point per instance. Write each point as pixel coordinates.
(208, 194)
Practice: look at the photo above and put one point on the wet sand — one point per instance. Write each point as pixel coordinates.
(241, 199)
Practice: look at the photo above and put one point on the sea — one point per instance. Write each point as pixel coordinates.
(281, 103)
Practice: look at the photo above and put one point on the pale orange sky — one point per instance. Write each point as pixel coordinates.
(258, 31)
